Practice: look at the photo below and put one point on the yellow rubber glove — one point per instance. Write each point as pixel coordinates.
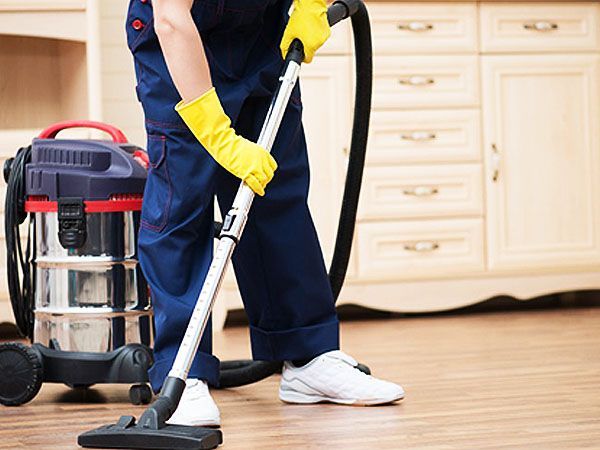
(308, 23)
(207, 120)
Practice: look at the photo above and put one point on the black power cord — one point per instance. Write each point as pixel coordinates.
(19, 262)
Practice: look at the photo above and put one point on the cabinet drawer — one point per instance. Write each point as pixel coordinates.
(523, 27)
(425, 81)
(421, 28)
(424, 136)
(426, 249)
(422, 191)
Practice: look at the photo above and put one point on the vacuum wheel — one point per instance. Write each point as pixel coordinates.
(140, 394)
(21, 374)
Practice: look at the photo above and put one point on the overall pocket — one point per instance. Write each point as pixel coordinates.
(139, 25)
(159, 190)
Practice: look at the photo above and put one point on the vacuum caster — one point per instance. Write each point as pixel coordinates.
(140, 394)
(21, 374)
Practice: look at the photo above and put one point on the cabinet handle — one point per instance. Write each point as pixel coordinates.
(415, 26)
(541, 26)
(416, 80)
(419, 136)
(421, 191)
(496, 158)
(421, 246)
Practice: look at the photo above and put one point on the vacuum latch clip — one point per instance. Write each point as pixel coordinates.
(71, 222)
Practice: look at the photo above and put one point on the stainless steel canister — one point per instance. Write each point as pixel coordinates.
(91, 298)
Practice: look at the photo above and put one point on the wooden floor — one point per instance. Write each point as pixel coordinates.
(521, 380)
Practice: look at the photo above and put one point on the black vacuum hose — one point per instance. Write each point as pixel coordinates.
(242, 372)
(363, 51)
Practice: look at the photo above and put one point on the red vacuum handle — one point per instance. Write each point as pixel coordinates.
(51, 132)
(142, 157)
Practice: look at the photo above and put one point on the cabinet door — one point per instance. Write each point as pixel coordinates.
(326, 97)
(542, 157)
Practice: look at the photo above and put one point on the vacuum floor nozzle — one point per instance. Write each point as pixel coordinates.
(126, 434)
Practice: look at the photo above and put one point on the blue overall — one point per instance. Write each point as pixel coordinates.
(278, 262)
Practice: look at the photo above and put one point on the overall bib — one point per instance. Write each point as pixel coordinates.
(278, 262)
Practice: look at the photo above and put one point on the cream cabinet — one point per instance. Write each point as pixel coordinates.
(542, 160)
(482, 172)
(482, 175)
(482, 168)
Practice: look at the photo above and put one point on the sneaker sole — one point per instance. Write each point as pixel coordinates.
(307, 399)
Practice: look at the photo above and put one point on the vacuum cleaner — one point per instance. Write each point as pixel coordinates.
(151, 431)
(76, 289)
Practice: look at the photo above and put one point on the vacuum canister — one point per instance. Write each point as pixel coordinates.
(86, 197)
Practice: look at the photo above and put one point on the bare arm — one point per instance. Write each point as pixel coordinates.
(182, 47)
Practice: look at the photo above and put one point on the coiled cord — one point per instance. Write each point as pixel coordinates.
(19, 262)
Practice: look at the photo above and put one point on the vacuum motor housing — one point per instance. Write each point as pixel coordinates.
(86, 196)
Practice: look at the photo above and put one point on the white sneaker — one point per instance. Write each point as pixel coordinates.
(196, 408)
(333, 377)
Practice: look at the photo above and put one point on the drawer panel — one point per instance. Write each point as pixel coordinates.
(69, 24)
(424, 136)
(422, 191)
(419, 249)
(425, 81)
(41, 5)
(423, 28)
(524, 27)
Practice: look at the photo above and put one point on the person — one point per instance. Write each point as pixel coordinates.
(206, 71)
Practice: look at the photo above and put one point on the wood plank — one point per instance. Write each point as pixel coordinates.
(504, 380)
